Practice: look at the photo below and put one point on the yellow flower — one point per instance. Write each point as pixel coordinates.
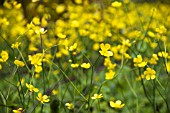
(54, 92)
(109, 75)
(150, 74)
(0, 66)
(85, 65)
(36, 59)
(74, 65)
(43, 98)
(97, 96)
(60, 35)
(117, 105)
(104, 50)
(19, 63)
(116, 4)
(19, 110)
(163, 54)
(168, 66)
(16, 45)
(73, 47)
(22, 80)
(139, 61)
(60, 8)
(38, 69)
(31, 88)
(126, 43)
(69, 105)
(154, 59)
(40, 30)
(4, 56)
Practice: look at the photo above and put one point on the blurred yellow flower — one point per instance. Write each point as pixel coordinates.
(74, 65)
(163, 54)
(43, 98)
(19, 110)
(19, 63)
(73, 47)
(109, 75)
(150, 74)
(38, 69)
(4, 56)
(117, 105)
(138, 62)
(116, 4)
(104, 50)
(69, 105)
(97, 96)
(16, 45)
(85, 65)
(32, 88)
(60, 8)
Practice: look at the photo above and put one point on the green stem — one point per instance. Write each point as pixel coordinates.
(24, 60)
(71, 82)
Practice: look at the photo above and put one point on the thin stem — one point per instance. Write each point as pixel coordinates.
(24, 60)
(71, 82)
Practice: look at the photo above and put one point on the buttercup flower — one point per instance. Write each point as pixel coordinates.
(139, 61)
(43, 98)
(97, 96)
(19, 63)
(150, 74)
(104, 50)
(116, 4)
(85, 65)
(4, 56)
(19, 110)
(16, 45)
(31, 88)
(117, 105)
(69, 105)
(109, 75)
(74, 65)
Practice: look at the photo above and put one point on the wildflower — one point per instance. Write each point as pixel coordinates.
(36, 59)
(116, 4)
(149, 74)
(40, 30)
(19, 63)
(104, 50)
(69, 106)
(22, 80)
(73, 47)
(19, 110)
(126, 43)
(154, 59)
(43, 98)
(38, 69)
(85, 65)
(60, 35)
(74, 65)
(0, 66)
(54, 92)
(109, 75)
(16, 45)
(60, 8)
(97, 96)
(168, 66)
(4, 56)
(163, 54)
(139, 61)
(117, 105)
(31, 88)
(140, 77)
(109, 64)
